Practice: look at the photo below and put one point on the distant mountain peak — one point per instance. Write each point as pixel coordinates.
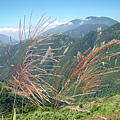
(78, 22)
(6, 39)
(91, 17)
(94, 17)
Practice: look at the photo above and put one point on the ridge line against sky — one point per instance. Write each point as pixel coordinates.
(65, 10)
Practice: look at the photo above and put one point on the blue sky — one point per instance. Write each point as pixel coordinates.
(12, 10)
(65, 10)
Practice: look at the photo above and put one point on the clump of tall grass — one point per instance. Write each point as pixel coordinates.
(24, 63)
(85, 72)
(26, 72)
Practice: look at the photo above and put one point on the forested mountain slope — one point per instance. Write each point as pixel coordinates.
(67, 48)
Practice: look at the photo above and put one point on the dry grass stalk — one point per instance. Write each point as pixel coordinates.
(14, 114)
(26, 75)
(87, 72)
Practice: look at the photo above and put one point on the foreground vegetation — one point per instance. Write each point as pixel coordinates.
(107, 108)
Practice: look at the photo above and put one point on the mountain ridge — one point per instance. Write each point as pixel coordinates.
(82, 30)
(78, 22)
(6, 39)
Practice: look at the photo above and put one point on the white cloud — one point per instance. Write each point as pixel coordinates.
(81, 23)
(55, 23)
(70, 23)
(14, 32)
(99, 29)
(8, 29)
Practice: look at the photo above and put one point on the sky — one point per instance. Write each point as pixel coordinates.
(11, 11)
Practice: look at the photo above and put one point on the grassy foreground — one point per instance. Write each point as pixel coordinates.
(107, 108)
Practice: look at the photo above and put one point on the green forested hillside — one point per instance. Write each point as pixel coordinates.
(82, 30)
(61, 51)
(94, 39)
(112, 32)
(75, 45)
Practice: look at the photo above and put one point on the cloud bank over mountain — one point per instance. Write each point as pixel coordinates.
(9, 31)
(14, 32)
